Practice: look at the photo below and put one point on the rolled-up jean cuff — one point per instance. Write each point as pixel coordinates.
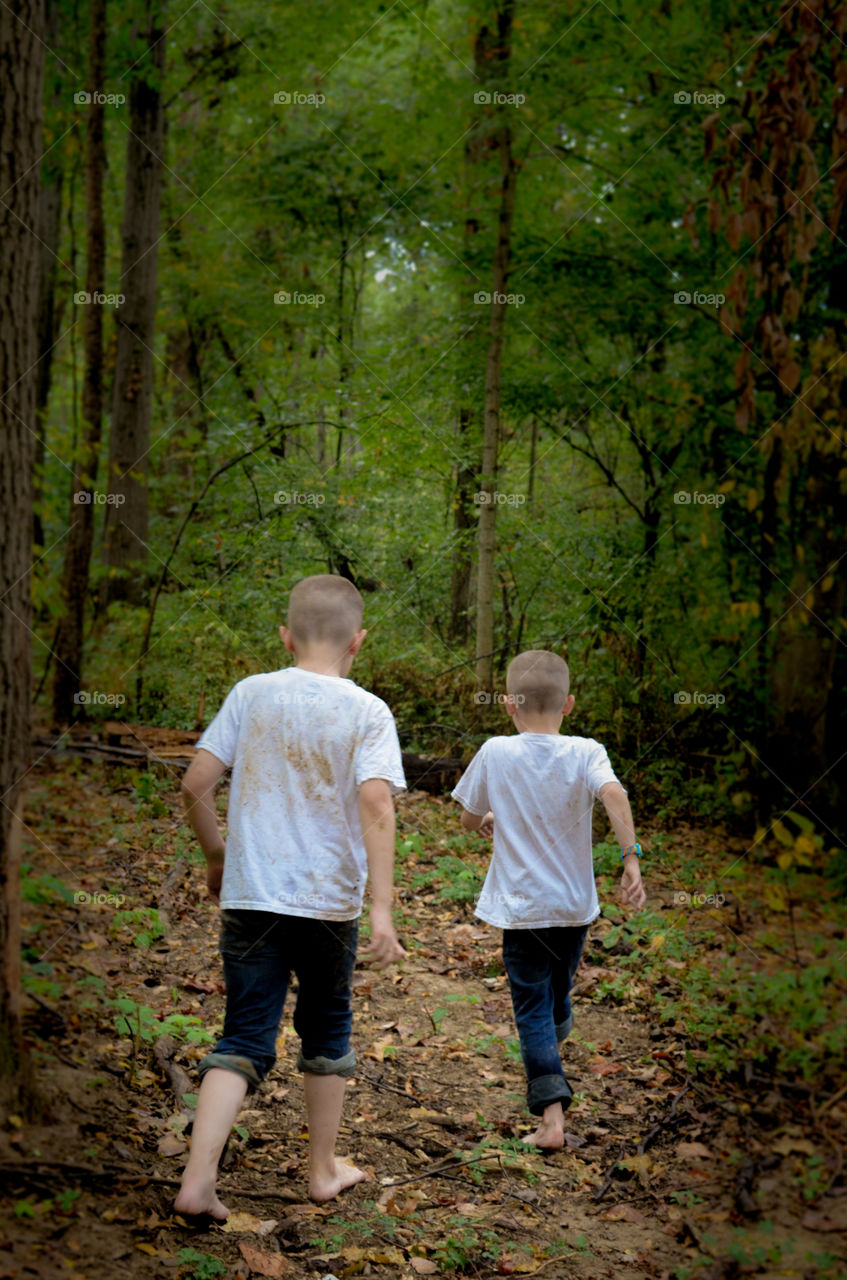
(232, 1062)
(545, 1090)
(345, 1066)
(563, 1029)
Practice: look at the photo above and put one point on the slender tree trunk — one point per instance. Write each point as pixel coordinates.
(49, 226)
(464, 481)
(125, 532)
(21, 86)
(49, 223)
(69, 641)
(491, 429)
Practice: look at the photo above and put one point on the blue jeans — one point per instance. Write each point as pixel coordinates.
(260, 949)
(540, 964)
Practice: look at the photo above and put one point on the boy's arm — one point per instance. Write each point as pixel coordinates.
(620, 816)
(198, 792)
(484, 823)
(376, 812)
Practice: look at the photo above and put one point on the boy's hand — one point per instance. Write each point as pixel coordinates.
(486, 827)
(384, 945)
(632, 888)
(214, 878)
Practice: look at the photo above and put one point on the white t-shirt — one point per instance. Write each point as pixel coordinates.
(300, 746)
(541, 788)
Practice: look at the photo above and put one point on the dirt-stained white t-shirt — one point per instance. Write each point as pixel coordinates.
(541, 788)
(300, 746)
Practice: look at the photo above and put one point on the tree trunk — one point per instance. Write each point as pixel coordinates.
(464, 482)
(49, 225)
(125, 531)
(499, 53)
(69, 640)
(21, 84)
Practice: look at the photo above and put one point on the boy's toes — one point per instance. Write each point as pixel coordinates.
(328, 1186)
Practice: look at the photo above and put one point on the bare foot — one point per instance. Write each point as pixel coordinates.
(325, 1186)
(196, 1198)
(548, 1136)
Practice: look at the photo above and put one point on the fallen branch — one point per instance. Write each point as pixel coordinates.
(40, 1170)
(444, 1168)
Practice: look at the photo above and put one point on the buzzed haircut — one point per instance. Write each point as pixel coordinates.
(324, 609)
(539, 681)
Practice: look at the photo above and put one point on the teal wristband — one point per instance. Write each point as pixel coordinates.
(633, 848)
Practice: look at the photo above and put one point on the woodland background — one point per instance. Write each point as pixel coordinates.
(654, 486)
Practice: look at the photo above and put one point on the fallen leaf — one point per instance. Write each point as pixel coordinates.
(260, 1262)
(784, 1146)
(171, 1145)
(639, 1165)
(625, 1213)
(241, 1223)
(696, 1149)
(423, 1266)
(822, 1222)
(601, 1068)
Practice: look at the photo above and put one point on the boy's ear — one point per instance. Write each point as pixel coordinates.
(287, 639)
(568, 707)
(357, 642)
(509, 704)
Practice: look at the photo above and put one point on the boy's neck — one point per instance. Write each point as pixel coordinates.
(538, 723)
(324, 661)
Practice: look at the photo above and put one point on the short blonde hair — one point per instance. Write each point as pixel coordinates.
(539, 681)
(324, 609)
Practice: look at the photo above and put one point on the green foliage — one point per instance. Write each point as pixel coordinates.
(193, 1265)
(141, 1023)
(43, 888)
(148, 917)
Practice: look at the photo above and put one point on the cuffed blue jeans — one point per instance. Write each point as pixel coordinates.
(540, 964)
(260, 950)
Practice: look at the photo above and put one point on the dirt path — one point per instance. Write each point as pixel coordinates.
(663, 1175)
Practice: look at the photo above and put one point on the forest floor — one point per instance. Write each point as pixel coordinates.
(682, 1160)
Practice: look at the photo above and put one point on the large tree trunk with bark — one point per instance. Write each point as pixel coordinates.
(21, 82)
(499, 58)
(125, 532)
(69, 640)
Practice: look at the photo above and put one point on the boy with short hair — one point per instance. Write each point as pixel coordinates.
(535, 791)
(315, 764)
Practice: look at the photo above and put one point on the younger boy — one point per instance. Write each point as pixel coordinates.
(535, 791)
(315, 763)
